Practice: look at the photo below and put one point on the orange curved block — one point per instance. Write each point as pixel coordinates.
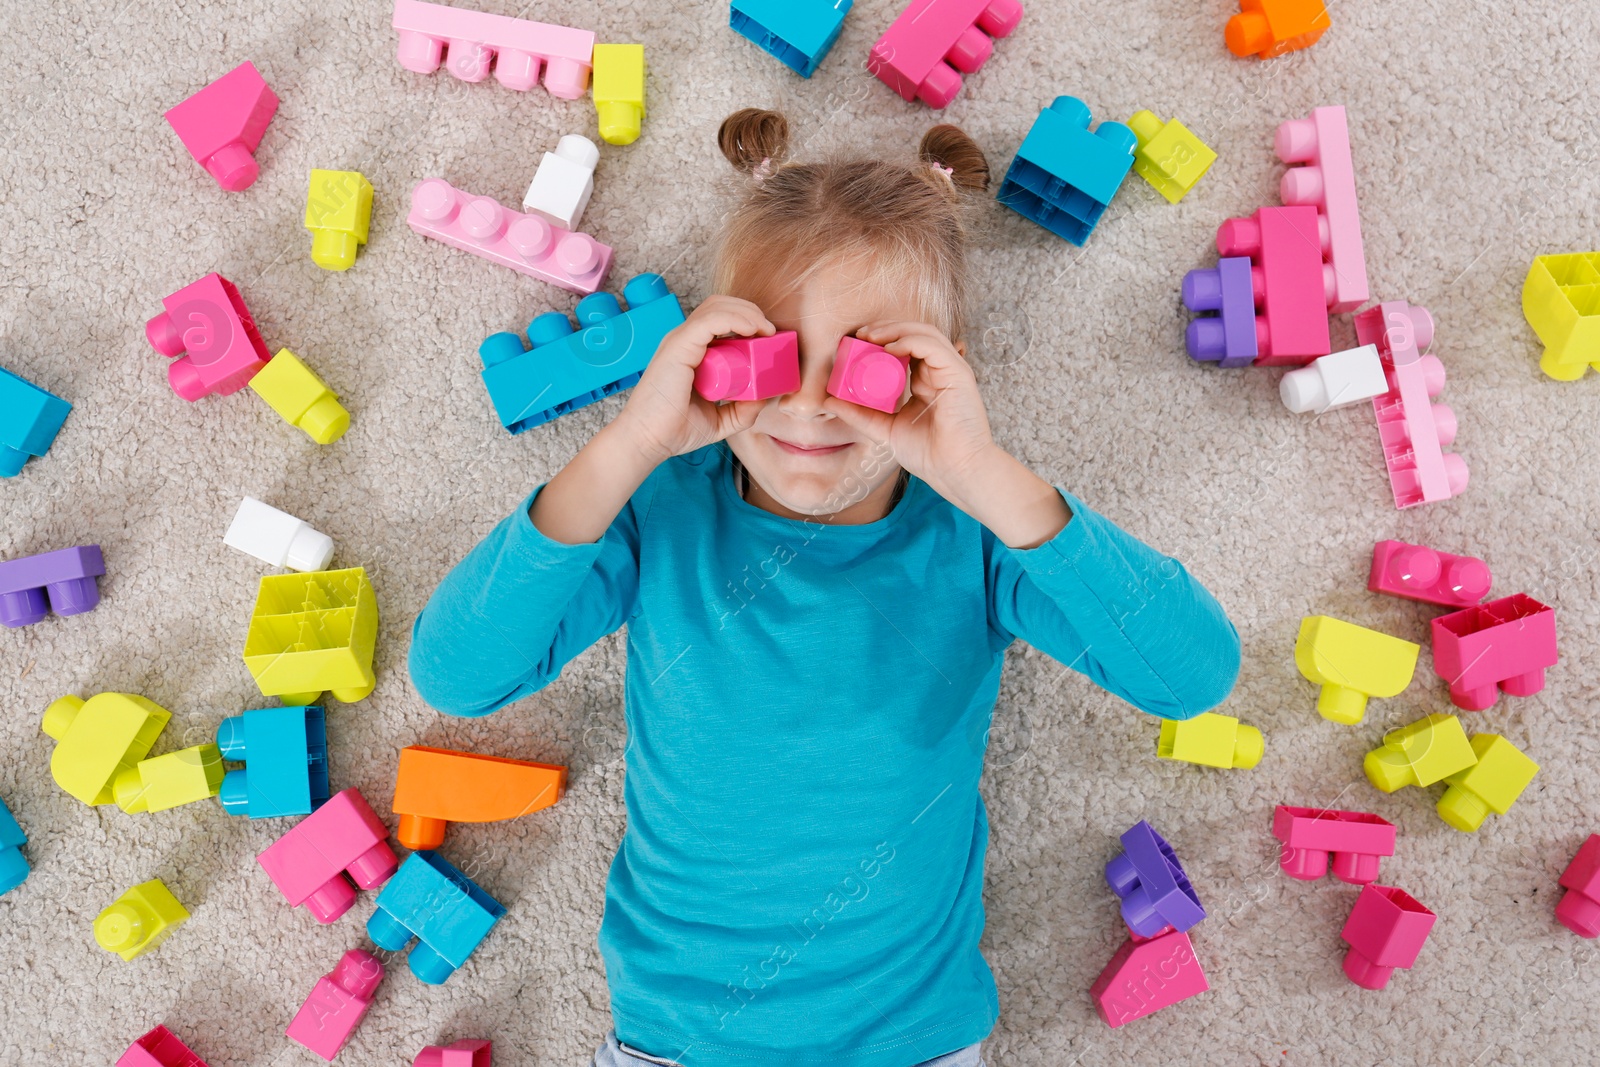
(437, 786)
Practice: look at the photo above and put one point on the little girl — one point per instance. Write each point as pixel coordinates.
(818, 599)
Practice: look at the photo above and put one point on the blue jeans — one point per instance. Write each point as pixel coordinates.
(615, 1054)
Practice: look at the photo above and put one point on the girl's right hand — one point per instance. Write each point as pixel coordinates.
(664, 416)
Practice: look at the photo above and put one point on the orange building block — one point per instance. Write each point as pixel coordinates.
(1269, 28)
(436, 787)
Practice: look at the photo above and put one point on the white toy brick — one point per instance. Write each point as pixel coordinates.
(563, 182)
(278, 538)
(1335, 380)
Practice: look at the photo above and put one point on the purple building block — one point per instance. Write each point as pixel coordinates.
(68, 576)
(1154, 890)
(1229, 338)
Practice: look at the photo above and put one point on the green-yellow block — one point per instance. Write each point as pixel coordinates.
(100, 738)
(141, 919)
(1169, 156)
(619, 91)
(1351, 663)
(1422, 753)
(1561, 301)
(338, 214)
(170, 780)
(313, 632)
(294, 391)
(1492, 784)
(1210, 740)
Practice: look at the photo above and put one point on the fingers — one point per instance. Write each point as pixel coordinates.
(737, 417)
(869, 422)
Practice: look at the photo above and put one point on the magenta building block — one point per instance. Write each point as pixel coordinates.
(750, 368)
(1417, 572)
(924, 52)
(223, 123)
(1355, 840)
(457, 1054)
(1385, 930)
(868, 374)
(1151, 881)
(1286, 281)
(336, 1004)
(1146, 976)
(209, 322)
(65, 581)
(1579, 907)
(527, 244)
(1327, 182)
(471, 43)
(309, 863)
(1505, 644)
(1230, 338)
(159, 1048)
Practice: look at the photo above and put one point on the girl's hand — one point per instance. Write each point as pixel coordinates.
(664, 416)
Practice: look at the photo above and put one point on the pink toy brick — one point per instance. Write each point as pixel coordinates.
(749, 368)
(867, 374)
(1579, 907)
(309, 863)
(1328, 183)
(1146, 976)
(1411, 428)
(1419, 573)
(336, 1004)
(1505, 644)
(1385, 930)
(525, 243)
(159, 1048)
(925, 51)
(472, 42)
(222, 125)
(208, 321)
(1286, 275)
(459, 1054)
(1356, 840)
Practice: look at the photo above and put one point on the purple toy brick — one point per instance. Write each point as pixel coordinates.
(63, 581)
(1228, 339)
(1154, 890)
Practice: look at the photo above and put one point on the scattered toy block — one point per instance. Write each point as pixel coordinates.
(924, 52)
(313, 632)
(1286, 281)
(1327, 182)
(441, 908)
(1352, 664)
(1063, 177)
(187, 776)
(277, 538)
(1356, 841)
(459, 1054)
(1579, 907)
(159, 1048)
(30, 419)
(1417, 572)
(1424, 752)
(749, 368)
(1385, 930)
(1211, 740)
(222, 125)
(471, 43)
(562, 185)
(309, 863)
(339, 216)
(1271, 28)
(1169, 157)
(65, 581)
(1146, 976)
(568, 369)
(13, 864)
(139, 920)
(1151, 881)
(1502, 646)
(869, 375)
(798, 32)
(619, 91)
(99, 739)
(1334, 381)
(1492, 784)
(208, 327)
(1411, 428)
(336, 1004)
(1234, 336)
(286, 750)
(1561, 301)
(300, 398)
(436, 787)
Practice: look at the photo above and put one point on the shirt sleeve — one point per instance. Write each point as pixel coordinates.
(1109, 606)
(519, 607)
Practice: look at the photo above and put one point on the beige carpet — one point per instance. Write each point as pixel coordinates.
(1474, 141)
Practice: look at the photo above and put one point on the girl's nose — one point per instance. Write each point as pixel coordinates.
(806, 402)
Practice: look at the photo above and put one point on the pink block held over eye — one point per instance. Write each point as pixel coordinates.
(222, 125)
(749, 368)
(868, 375)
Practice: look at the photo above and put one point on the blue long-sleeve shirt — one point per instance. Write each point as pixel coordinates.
(800, 883)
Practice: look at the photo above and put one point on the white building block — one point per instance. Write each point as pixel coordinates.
(278, 538)
(1334, 381)
(563, 182)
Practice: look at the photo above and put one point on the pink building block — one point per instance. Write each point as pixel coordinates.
(223, 123)
(1286, 276)
(1328, 183)
(525, 243)
(309, 863)
(1419, 573)
(459, 1054)
(336, 1004)
(1579, 907)
(749, 368)
(1385, 930)
(1411, 428)
(159, 1048)
(1356, 841)
(925, 51)
(867, 374)
(1146, 976)
(1505, 644)
(208, 321)
(472, 42)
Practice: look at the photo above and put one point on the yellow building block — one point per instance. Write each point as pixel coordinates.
(1210, 740)
(98, 739)
(141, 919)
(338, 214)
(163, 782)
(619, 91)
(311, 632)
(1169, 156)
(1492, 784)
(295, 392)
(1561, 301)
(1351, 663)
(1422, 753)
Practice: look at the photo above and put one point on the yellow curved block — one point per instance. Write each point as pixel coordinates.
(1561, 301)
(313, 632)
(141, 919)
(1351, 663)
(1169, 157)
(100, 738)
(619, 91)
(1210, 740)
(1422, 753)
(1492, 784)
(338, 214)
(295, 392)
(167, 781)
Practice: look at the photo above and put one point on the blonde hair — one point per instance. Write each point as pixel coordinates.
(909, 219)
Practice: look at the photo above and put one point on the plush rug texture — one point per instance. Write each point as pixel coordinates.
(1474, 144)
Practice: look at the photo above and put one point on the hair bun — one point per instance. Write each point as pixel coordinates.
(752, 136)
(951, 148)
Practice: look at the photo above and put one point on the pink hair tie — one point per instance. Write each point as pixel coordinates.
(948, 172)
(763, 170)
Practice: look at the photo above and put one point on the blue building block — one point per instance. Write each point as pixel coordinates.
(286, 750)
(567, 369)
(1154, 890)
(1063, 176)
(439, 906)
(30, 418)
(798, 32)
(13, 865)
